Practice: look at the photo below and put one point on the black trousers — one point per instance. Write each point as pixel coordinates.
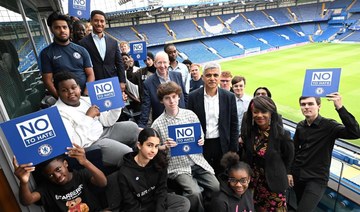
(308, 194)
(213, 153)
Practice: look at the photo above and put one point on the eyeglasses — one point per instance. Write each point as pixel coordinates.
(234, 181)
(211, 75)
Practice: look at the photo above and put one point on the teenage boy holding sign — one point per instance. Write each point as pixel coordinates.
(314, 141)
(191, 170)
(90, 128)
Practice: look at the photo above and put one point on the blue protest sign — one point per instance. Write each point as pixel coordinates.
(106, 93)
(186, 137)
(37, 137)
(79, 8)
(138, 50)
(321, 82)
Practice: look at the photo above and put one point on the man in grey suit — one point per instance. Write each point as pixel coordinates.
(104, 51)
(216, 109)
(150, 99)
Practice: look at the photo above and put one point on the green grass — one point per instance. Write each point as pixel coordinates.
(283, 72)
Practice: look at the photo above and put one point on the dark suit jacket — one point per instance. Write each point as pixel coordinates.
(112, 65)
(228, 119)
(151, 101)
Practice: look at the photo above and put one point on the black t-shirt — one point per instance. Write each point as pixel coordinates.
(196, 84)
(75, 194)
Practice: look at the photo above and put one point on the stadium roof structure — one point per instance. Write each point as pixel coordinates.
(163, 7)
(32, 5)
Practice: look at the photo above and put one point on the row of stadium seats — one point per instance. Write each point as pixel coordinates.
(236, 44)
(159, 33)
(25, 52)
(238, 29)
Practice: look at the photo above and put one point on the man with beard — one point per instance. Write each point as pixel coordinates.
(64, 55)
(216, 109)
(104, 51)
(176, 66)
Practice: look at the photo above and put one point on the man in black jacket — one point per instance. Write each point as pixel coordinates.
(104, 51)
(314, 140)
(216, 109)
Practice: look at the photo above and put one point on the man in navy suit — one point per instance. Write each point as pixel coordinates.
(104, 51)
(150, 98)
(216, 109)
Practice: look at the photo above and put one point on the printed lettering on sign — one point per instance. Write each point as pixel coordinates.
(79, 4)
(104, 90)
(35, 130)
(321, 78)
(184, 134)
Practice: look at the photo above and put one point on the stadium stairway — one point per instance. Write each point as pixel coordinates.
(246, 19)
(323, 9)
(351, 5)
(293, 17)
(271, 19)
(211, 49)
(311, 38)
(200, 29)
(170, 31)
(225, 24)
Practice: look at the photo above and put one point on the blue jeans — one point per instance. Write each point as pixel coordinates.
(191, 186)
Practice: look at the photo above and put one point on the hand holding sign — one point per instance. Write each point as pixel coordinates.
(201, 142)
(336, 98)
(22, 172)
(78, 153)
(169, 142)
(93, 111)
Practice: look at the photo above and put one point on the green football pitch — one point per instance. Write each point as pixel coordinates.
(283, 72)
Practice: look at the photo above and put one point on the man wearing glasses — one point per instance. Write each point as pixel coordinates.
(216, 109)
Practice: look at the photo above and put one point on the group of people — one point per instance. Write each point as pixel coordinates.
(248, 162)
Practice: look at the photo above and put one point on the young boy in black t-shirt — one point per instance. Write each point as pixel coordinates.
(64, 190)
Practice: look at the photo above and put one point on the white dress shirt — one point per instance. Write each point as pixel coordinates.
(211, 105)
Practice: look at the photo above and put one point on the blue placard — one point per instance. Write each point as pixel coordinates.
(186, 137)
(321, 82)
(79, 8)
(106, 93)
(37, 137)
(138, 50)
